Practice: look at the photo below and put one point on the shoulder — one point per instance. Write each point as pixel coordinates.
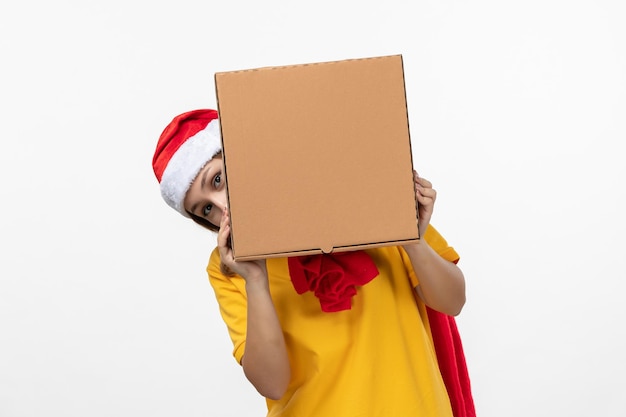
(225, 286)
(214, 262)
(436, 241)
(215, 271)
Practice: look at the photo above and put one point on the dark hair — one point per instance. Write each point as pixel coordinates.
(203, 222)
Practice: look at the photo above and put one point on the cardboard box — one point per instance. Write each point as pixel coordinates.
(317, 157)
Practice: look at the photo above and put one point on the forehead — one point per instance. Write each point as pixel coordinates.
(215, 162)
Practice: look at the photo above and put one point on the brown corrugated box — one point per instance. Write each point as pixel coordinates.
(317, 157)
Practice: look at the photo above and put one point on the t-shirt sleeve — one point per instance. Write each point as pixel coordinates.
(439, 244)
(231, 296)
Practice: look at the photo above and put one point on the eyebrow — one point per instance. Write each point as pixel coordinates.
(206, 173)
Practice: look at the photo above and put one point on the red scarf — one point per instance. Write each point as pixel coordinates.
(333, 279)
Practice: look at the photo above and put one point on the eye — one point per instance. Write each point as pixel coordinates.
(217, 180)
(207, 209)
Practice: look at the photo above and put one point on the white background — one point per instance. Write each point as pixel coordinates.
(517, 117)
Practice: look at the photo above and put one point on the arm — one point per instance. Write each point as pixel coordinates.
(441, 283)
(265, 361)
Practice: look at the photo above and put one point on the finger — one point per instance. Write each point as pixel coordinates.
(225, 253)
(416, 177)
(427, 192)
(225, 217)
(426, 196)
(224, 232)
(424, 182)
(425, 200)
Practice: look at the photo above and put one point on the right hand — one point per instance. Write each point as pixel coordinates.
(251, 271)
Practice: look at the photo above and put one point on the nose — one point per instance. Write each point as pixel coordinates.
(220, 200)
(220, 204)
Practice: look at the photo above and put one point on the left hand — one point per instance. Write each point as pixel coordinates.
(251, 271)
(425, 196)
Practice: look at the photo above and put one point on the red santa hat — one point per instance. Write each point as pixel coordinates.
(190, 141)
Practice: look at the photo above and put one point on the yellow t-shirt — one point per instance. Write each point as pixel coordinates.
(374, 360)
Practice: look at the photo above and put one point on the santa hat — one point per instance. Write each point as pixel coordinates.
(190, 141)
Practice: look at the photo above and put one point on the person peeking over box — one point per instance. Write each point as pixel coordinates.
(363, 333)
